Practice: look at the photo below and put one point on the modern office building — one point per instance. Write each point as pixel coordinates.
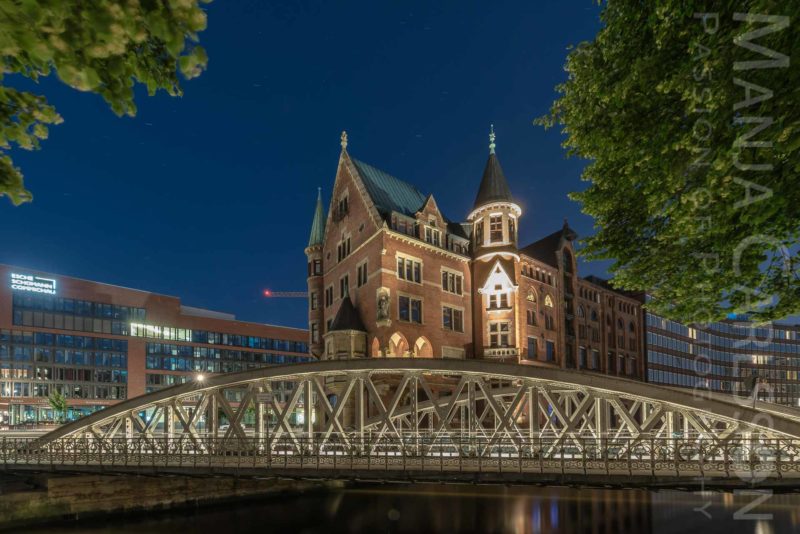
(390, 276)
(719, 356)
(97, 344)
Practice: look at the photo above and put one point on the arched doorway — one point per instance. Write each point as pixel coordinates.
(423, 348)
(398, 345)
(376, 348)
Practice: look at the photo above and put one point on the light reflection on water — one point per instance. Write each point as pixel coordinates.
(422, 509)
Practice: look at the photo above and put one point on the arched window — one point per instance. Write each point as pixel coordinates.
(620, 324)
(581, 312)
(548, 301)
(594, 315)
(531, 296)
(632, 327)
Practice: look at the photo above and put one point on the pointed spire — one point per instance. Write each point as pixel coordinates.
(344, 140)
(318, 226)
(494, 187)
(347, 318)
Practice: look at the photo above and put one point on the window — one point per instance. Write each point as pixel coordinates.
(498, 334)
(314, 333)
(433, 236)
(582, 359)
(328, 296)
(479, 232)
(343, 249)
(595, 364)
(531, 314)
(548, 301)
(581, 312)
(362, 274)
(452, 319)
(452, 282)
(496, 229)
(533, 348)
(531, 296)
(550, 351)
(317, 267)
(410, 270)
(343, 207)
(498, 301)
(410, 309)
(344, 286)
(631, 327)
(511, 229)
(314, 300)
(594, 315)
(548, 322)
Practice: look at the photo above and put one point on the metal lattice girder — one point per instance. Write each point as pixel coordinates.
(391, 400)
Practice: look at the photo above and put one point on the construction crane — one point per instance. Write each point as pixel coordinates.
(286, 294)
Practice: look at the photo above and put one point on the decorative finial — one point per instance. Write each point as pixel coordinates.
(344, 140)
(491, 139)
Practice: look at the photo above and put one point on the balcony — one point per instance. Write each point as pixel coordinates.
(500, 352)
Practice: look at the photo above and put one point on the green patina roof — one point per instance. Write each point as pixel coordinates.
(318, 226)
(389, 193)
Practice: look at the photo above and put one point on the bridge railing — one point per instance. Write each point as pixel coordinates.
(683, 456)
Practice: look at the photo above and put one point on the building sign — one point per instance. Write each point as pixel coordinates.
(34, 284)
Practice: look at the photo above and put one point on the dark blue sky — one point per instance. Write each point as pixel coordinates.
(209, 197)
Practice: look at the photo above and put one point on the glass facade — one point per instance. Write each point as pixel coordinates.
(719, 356)
(96, 354)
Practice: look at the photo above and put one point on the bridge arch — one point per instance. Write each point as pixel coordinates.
(457, 409)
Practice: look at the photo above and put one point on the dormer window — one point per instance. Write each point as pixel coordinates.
(433, 236)
(496, 229)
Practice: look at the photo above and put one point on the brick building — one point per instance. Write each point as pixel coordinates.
(390, 276)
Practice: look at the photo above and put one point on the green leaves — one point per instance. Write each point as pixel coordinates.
(653, 104)
(102, 46)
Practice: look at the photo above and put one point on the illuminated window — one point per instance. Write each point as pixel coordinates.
(496, 228)
(548, 301)
(498, 334)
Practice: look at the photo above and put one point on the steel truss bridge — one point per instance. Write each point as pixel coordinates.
(424, 419)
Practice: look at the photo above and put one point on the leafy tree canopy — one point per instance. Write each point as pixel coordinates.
(688, 114)
(101, 46)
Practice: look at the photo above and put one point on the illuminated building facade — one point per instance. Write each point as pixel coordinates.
(97, 344)
(719, 356)
(390, 276)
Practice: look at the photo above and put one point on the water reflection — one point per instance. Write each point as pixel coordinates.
(444, 508)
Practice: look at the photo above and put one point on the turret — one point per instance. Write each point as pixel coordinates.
(495, 214)
(314, 280)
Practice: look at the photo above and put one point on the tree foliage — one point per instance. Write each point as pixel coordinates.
(59, 404)
(100, 46)
(689, 123)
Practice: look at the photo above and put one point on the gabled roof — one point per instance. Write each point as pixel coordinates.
(389, 193)
(318, 225)
(347, 318)
(546, 249)
(494, 187)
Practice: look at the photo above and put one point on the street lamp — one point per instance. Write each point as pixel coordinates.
(200, 378)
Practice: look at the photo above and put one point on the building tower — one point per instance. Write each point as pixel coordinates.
(314, 280)
(495, 219)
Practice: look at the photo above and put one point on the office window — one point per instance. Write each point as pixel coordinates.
(498, 334)
(452, 282)
(410, 309)
(452, 319)
(362, 274)
(496, 228)
(409, 270)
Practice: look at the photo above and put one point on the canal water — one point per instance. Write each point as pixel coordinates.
(421, 509)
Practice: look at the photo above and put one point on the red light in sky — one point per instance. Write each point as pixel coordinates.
(267, 293)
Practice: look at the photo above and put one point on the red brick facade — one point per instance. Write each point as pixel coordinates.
(422, 286)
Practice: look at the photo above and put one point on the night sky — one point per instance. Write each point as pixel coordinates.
(209, 197)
